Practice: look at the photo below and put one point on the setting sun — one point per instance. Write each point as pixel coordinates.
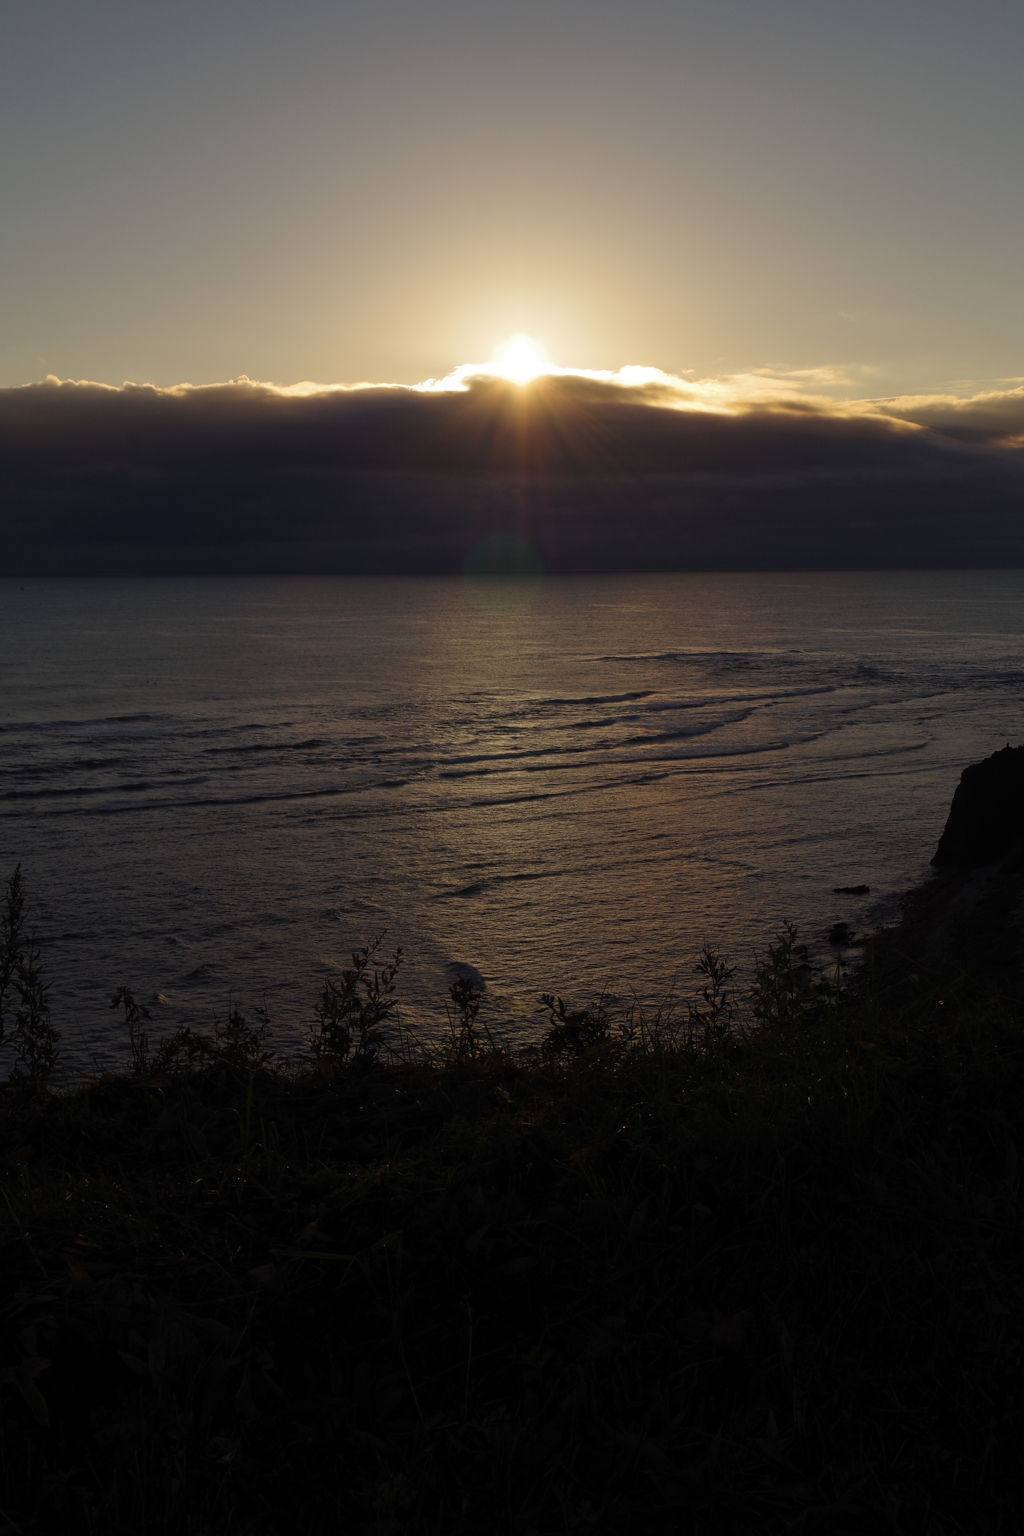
(520, 359)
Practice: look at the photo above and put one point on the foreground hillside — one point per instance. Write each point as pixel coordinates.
(759, 1271)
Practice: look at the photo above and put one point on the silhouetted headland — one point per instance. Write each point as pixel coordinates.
(966, 919)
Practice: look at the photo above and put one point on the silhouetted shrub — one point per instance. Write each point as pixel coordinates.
(185, 1050)
(712, 1014)
(782, 993)
(350, 1013)
(36, 1042)
(467, 1038)
(242, 1043)
(134, 1016)
(572, 1032)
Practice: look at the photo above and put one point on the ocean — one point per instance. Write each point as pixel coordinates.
(217, 788)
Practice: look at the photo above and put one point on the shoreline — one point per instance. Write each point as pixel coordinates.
(956, 920)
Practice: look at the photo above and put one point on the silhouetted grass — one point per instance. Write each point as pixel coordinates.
(663, 1279)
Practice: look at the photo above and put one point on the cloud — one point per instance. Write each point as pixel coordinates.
(993, 419)
(583, 470)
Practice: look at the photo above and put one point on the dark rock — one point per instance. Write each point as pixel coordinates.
(850, 890)
(986, 819)
(839, 935)
(460, 970)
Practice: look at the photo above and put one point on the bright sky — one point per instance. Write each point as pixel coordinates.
(345, 192)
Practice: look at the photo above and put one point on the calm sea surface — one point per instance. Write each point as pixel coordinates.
(219, 787)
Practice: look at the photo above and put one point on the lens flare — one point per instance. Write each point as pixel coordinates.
(520, 359)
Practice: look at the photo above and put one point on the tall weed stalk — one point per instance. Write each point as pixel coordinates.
(24, 996)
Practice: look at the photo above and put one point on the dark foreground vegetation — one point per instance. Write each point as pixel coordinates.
(743, 1265)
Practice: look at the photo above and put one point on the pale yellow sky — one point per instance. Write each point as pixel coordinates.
(342, 192)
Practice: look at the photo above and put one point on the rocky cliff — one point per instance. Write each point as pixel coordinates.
(986, 818)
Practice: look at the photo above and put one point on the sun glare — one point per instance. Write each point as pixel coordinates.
(519, 359)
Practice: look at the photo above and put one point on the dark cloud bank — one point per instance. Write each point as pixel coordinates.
(574, 473)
